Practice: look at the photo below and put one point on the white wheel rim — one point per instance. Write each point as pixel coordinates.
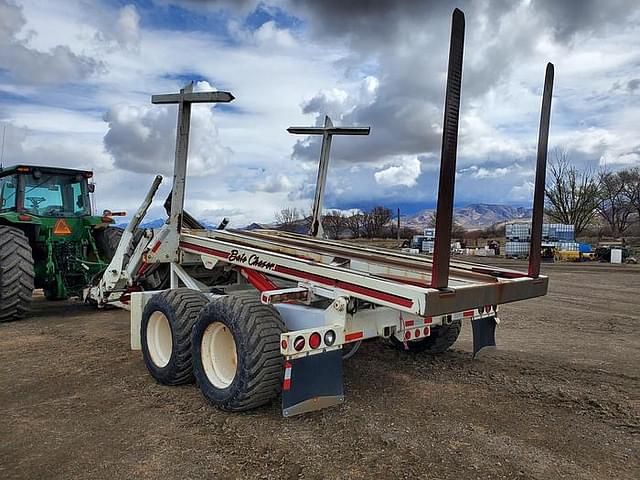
(159, 339)
(218, 355)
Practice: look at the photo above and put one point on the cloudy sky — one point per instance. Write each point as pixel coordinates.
(76, 78)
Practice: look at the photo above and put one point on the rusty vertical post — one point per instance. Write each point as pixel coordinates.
(444, 212)
(541, 172)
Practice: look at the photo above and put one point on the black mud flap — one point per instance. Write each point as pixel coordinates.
(311, 383)
(484, 334)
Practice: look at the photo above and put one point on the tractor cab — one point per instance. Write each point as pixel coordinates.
(45, 191)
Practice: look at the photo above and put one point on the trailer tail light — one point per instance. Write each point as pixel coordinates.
(284, 344)
(315, 340)
(329, 338)
(427, 331)
(298, 343)
(417, 332)
(407, 335)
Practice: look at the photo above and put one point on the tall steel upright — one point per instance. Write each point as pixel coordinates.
(184, 99)
(327, 132)
(541, 172)
(444, 213)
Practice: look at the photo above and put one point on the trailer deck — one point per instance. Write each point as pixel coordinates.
(386, 277)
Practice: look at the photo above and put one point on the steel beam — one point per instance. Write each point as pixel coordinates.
(327, 132)
(444, 212)
(541, 172)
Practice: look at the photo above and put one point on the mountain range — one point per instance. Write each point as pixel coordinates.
(472, 217)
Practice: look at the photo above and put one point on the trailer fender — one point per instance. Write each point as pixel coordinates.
(312, 383)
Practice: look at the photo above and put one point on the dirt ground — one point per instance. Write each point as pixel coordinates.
(560, 398)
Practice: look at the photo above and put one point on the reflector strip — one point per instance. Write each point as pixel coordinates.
(349, 337)
(286, 385)
(468, 313)
(156, 247)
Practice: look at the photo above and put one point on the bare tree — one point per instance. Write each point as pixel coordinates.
(375, 220)
(355, 224)
(334, 223)
(631, 180)
(287, 219)
(572, 197)
(613, 204)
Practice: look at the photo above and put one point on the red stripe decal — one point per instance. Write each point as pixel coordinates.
(349, 337)
(198, 248)
(468, 313)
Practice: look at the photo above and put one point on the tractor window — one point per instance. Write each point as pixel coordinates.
(55, 196)
(8, 195)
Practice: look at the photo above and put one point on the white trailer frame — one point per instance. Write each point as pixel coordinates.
(319, 286)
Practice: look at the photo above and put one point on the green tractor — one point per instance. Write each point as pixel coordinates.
(48, 237)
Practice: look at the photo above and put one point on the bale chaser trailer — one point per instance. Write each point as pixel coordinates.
(250, 314)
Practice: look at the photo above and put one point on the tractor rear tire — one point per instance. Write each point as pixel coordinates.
(441, 339)
(165, 334)
(107, 241)
(236, 353)
(16, 274)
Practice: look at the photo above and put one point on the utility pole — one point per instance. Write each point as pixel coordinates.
(398, 224)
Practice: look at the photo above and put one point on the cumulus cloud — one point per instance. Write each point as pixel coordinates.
(405, 174)
(31, 66)
(275, 183)
(140, 138)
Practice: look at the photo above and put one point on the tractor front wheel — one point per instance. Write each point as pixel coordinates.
(16, 274)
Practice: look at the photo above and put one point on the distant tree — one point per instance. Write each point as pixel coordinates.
(375, 221)
(334, 223)
(355, 224)
(287, 219)
(572, 197)
(613, 205)
(631, 181)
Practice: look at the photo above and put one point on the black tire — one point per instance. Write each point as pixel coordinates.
(440, 340)
(107, 240)
(181, 308)
(16, 274)
(256, 330)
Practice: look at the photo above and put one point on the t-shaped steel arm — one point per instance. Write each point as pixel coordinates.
(184, 99)
(327, 132)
